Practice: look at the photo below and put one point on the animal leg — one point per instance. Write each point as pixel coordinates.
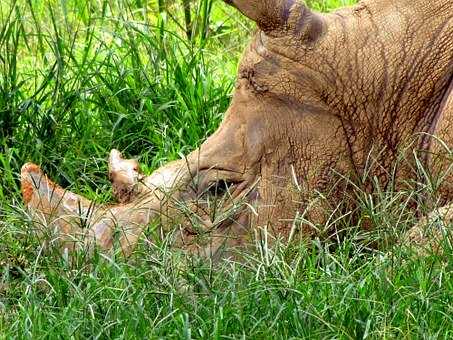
(433, 230)
(79, 221)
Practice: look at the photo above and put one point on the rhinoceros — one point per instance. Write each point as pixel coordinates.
(362, 92)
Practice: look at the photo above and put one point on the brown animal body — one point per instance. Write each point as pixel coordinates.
(361, 90)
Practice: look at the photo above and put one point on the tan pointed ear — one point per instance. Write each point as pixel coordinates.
(281, 15)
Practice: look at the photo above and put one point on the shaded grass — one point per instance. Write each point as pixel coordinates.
(78, 78)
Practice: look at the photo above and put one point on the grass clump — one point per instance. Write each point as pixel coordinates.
(78, 78)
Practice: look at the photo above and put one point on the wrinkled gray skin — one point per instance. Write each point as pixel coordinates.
(357, 91)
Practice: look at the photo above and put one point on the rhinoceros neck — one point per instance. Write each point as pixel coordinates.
(426, 141)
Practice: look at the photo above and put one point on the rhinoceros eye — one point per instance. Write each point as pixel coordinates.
(221, 188)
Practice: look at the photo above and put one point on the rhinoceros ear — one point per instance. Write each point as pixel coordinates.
(280, 15)
(268, 14)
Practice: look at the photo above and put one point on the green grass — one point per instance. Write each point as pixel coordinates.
(78, 78)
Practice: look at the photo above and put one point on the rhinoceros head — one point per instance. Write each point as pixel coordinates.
(315, 95)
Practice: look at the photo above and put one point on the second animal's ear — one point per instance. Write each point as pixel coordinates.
(285, 16)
